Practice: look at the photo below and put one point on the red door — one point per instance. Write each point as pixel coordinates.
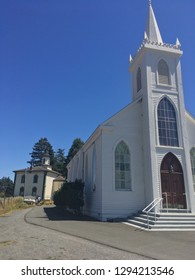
(172, 183)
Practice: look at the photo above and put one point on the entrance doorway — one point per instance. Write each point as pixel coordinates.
(172, 183)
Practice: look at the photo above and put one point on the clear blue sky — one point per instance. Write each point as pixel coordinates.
(64, 66)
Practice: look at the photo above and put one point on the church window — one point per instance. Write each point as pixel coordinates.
(94, 170)
(192, 157)
(122, 167)
(23, 179)
(77, 166)
(139, 80)
(86, 174)
(35, 179)
(167, 124)
(21, 193)
(34, 191)
(163, 73)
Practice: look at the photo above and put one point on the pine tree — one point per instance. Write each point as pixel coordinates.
(40, 148)
(76, 146)
(60, 162)
(6, 186)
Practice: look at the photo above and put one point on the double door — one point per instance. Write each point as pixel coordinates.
(172, 183)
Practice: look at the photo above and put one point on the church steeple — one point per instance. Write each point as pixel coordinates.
(152, 30)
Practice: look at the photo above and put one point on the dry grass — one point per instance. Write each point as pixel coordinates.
(11, 204)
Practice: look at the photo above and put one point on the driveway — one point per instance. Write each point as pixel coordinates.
(25, 241)
(142, 244)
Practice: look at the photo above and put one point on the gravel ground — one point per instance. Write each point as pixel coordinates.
(23, 241)
(159, 245)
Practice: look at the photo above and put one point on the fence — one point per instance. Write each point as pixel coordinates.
(9, 203)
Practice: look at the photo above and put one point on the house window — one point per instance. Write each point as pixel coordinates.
(192, 157)
(167, 124)
(23, 179)
(139, 80)
(35, 179)
(34, 191)
(122, 167)
(163, 73)
(21, 193)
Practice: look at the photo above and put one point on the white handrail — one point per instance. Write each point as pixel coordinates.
(153, 204)
(144, 210)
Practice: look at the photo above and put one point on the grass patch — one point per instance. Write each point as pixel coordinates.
(12, 204)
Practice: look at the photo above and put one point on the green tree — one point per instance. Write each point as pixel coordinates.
(40, 148)
(6, 186)
(60, 162)
(76, 146)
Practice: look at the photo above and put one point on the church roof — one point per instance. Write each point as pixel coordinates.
(152, 30)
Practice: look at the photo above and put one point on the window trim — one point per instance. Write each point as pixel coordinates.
(169, 85)
(130, 189)
(176, 120)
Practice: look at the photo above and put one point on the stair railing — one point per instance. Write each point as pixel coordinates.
(166, 200)
(150, 207)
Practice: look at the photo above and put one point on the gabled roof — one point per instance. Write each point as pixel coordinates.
(37, 169)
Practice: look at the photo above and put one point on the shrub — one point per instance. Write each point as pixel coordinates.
(70, 195)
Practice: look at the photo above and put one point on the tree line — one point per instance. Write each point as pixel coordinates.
(58, 159)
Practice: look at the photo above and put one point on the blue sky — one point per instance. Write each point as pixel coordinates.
(64, 66)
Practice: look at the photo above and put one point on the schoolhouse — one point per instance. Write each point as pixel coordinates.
(40, 180)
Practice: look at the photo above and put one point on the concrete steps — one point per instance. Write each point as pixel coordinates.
(163, 221)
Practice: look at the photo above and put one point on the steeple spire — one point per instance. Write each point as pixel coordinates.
(152, 30)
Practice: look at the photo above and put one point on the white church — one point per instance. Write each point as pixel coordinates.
(144, 154)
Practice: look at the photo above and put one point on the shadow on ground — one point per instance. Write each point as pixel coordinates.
(60, 214)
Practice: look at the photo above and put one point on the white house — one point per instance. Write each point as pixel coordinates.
(38, 180)
(147, 150)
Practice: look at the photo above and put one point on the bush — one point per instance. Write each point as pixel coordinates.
(70, 195)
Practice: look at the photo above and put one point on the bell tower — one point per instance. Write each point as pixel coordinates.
(157, 85)
(46, 161)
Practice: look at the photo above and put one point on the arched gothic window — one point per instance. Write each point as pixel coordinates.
(122, 167)
(35, 179)
(139, 79)
(167, 124)
(163, 73)
(192, 157)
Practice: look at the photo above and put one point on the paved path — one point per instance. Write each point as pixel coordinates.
(20, 240)
(155, 245)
